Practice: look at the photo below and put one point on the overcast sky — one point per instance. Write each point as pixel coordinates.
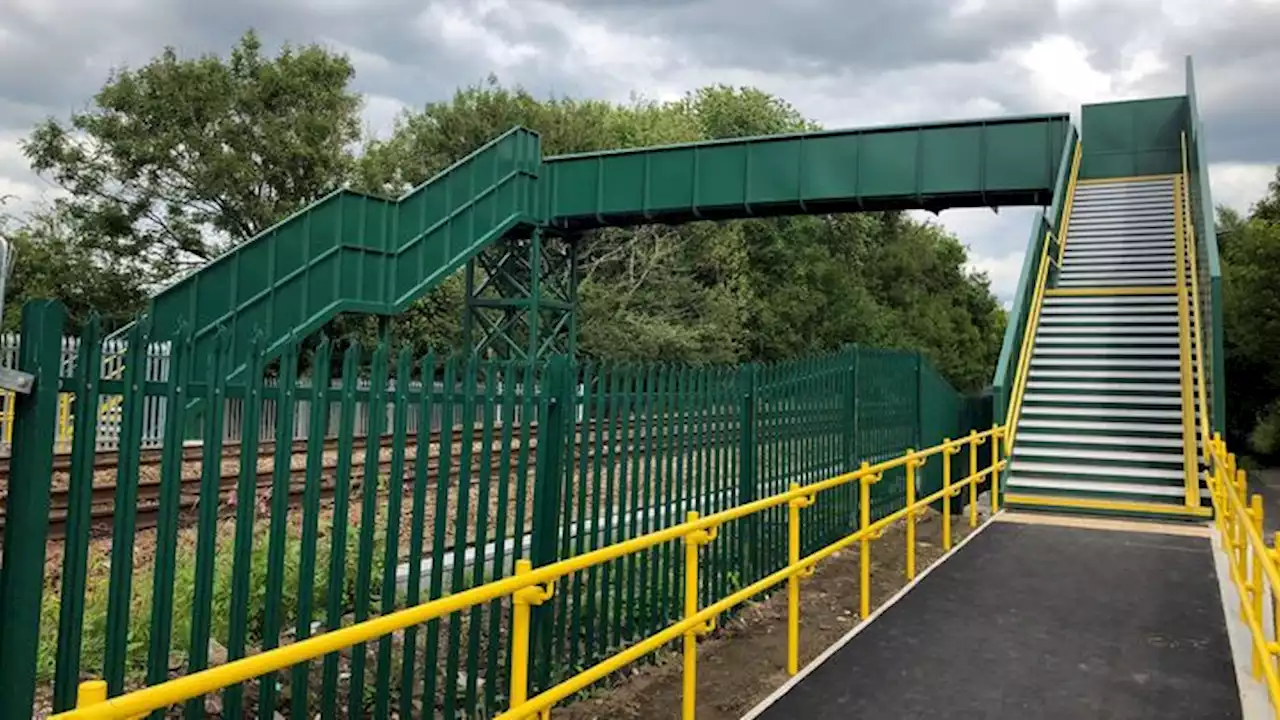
(841, 62)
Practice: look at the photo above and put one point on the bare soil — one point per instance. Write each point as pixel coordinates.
(745, 660)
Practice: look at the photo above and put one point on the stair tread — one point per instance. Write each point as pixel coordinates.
(1171, 441)
(1102, 340)
(1101, 426)
(1082, 321)
(1161, 297)
(1112, 362)
(1070, 350)
(1060, 411)
(1152, 387)
(1097, 399)
(1149, 375)
(1116, 488)
(1097, 470)
(1163, 328)
(1115, 456)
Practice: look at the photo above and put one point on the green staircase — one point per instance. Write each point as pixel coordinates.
(1101, 424)
(356, 252)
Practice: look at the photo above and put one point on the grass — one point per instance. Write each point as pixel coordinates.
(97, 592)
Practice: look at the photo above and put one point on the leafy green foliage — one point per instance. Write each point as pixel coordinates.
(51, 262)
(1250, 250)
(178, 159)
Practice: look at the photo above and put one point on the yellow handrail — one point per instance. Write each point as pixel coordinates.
(1191, 483)
(1037, 300)
(1189, 238)
(529, 586)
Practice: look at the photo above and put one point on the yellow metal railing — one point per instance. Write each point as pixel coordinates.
(1037, 301)
(1189, 243)
(1191, 483)
(530, 586)
(1254, 565)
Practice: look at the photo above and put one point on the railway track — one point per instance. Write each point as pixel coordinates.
(102, 495)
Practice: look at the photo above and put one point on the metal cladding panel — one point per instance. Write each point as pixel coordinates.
(887, 164)
(1135, 137)
(952, 160)
(935, 166)
(350, 251)
(1023, 155)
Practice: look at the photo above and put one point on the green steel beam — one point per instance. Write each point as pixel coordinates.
(521, 295)
(980, 163)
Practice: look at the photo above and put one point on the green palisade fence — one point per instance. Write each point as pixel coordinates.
(215, 552)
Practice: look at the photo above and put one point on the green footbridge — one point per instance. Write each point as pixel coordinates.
(1122, 570)
(351, 252)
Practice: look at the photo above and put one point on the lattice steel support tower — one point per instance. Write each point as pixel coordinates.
(522, 295)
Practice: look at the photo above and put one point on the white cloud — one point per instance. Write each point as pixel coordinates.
(379, 114)
(1003, 272)
(1239, 185)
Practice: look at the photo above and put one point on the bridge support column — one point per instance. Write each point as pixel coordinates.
(522, 295)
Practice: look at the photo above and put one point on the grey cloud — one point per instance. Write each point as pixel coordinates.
(841, 62)
(824, 36)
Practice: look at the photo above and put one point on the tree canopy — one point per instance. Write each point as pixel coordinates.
(177, 160)
(1250, 249)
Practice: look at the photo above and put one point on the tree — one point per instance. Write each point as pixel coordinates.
(179, 159)
(1251, 336)
(52, 263)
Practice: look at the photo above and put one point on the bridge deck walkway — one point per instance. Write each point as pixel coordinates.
(1030, 619)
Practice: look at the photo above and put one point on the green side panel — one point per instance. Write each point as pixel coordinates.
(354, 252)
(934, 166)
(1208, 264)
(1134, 137)
(1020, 309)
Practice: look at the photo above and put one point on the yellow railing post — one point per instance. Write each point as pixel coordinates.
(522, 601)
(1274, 553)
(995, 469)
(1255, 579)
(690, 699)
(91, 692)
(1238, 477)
(946, 493)
(692, 542)
(864, 545)
(911, 521)
(794, 506)
(974, 442)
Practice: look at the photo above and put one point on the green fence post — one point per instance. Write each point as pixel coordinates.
(748, 476)
(25, 534)
(849, 436)
(848, 441)
(920, 441)
(557, 411)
